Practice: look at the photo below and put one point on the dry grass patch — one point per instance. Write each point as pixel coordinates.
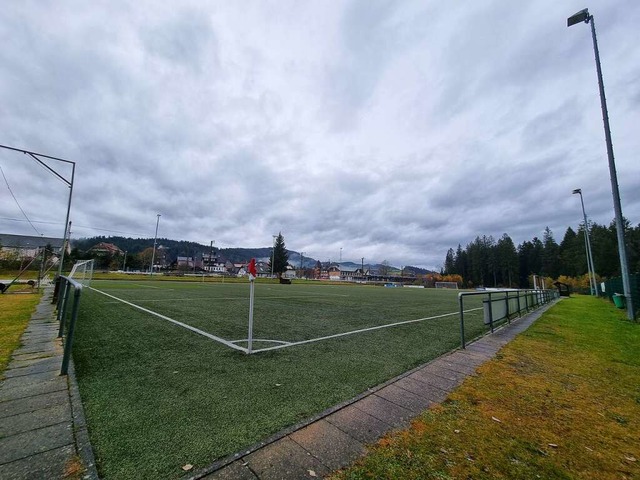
(560, 402)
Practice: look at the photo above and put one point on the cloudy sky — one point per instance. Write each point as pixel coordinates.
(390, 130)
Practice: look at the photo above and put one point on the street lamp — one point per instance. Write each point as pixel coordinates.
(155, 241)
(584, 16)
(587, 244)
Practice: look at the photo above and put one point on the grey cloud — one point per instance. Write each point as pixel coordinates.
(183, 39)
(407, 129)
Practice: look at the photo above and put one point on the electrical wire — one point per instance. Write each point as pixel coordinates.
(77, 226)
(18, 203)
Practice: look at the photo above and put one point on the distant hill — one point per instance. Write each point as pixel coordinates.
(182, 248)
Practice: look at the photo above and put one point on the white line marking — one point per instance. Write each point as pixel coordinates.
(292, 344)
(261, 340)
(188, 327)
(150, 286)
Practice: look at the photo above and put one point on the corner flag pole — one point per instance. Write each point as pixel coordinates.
(252, 277)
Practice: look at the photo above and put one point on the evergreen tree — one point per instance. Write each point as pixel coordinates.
(604, 245)
(525, 257)
(573, 259)
(550, 255)
(507, 258)
(280, 256)
(462, 263)
(449, 263)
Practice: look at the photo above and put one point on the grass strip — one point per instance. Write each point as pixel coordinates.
(14, 316)
(561, 401)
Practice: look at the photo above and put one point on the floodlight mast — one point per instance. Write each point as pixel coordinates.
(587, 243)
(36, 157)
(584, 16)
(155, 241)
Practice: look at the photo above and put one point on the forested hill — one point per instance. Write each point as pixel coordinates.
(175, 248)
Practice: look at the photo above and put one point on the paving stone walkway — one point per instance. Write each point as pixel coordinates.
(341, 435)
(37, 435)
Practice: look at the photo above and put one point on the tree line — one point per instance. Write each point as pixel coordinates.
(490, 263)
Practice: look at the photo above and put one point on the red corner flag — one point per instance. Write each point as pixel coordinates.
(252, 269)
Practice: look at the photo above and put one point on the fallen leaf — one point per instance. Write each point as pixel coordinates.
(312, 473)
(496, 419)
(187, 467)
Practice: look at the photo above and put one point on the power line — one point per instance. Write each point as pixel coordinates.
(34, 221)
(76, 226)
(18, 203)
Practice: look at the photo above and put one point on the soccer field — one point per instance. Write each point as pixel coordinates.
(159, 395)
(284, 315)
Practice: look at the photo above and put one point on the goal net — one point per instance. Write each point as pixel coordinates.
(82, 272)
(452, 285)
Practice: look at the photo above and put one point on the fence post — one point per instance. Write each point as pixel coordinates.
(64, 296)
(506, 299)
(490, 313)
(461, 302)
(69, 340)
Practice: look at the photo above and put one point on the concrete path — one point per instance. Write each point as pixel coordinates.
(339, 436)
(37, 435)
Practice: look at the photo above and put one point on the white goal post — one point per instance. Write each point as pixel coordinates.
(82, 272)
(452, 285)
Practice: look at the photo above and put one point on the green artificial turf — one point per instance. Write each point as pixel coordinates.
(158, 396)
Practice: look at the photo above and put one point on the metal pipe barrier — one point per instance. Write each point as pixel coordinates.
(504, 305)
(65, 286)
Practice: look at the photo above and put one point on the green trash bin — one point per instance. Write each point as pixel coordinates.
(619, 300)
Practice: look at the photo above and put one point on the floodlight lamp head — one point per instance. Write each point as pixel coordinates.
(578, 191)
(581, 16)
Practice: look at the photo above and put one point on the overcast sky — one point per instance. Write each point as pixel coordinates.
(390, 130)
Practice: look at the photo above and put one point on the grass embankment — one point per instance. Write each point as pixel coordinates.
(15, 312)
(561, 401)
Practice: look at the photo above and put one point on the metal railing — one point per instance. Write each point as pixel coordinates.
(502, 305)
(64, 287)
